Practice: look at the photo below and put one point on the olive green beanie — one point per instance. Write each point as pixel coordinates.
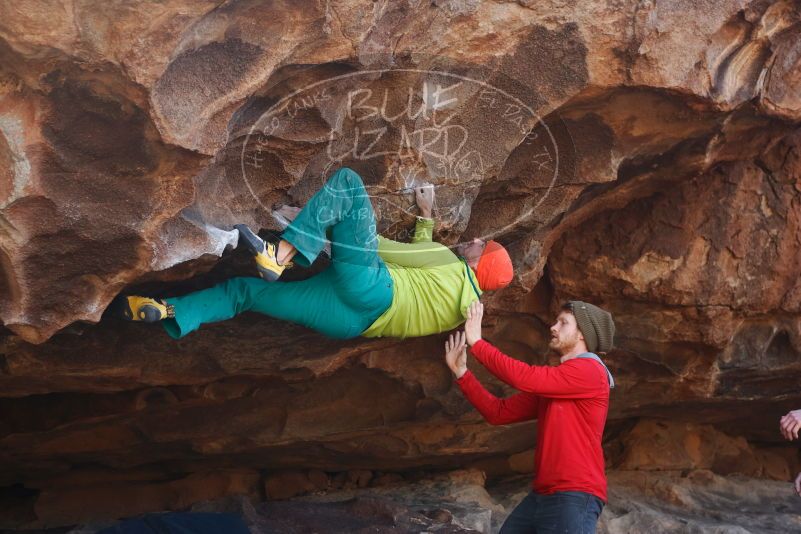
(595, 324)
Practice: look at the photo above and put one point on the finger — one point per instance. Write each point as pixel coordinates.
(798, 483)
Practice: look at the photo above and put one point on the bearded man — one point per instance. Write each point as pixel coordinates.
(569, 401)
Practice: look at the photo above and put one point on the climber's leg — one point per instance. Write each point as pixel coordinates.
(341, 210)
(361, 278)
(313, 303)
(340, 302)
(342, 200)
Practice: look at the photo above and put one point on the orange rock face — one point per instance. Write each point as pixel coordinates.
(643, 157)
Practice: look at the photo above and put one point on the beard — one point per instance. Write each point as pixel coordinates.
(563, 345)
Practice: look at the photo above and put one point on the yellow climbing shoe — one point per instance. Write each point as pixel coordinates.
(265, 253)
(145, 309)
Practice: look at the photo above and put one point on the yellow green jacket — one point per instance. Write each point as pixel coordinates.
(432, 286)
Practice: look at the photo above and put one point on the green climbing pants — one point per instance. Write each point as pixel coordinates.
(340, 302)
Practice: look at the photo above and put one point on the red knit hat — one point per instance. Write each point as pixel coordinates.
(494, 270)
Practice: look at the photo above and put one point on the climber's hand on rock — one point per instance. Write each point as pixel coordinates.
(797, 484)
(472, 327)
(456, 354)
(790, 424)
(424, 196)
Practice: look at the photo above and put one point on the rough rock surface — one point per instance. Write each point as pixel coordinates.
(696, 501)
(644, 156)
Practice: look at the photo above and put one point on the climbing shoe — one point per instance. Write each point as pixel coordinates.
(265, 253)
(145, 309)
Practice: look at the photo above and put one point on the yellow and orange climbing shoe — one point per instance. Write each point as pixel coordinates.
(264, 252)
(146, 309)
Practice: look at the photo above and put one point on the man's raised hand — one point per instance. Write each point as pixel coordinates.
(456, 354)
(472, 327)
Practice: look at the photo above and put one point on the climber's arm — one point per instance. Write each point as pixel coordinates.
(424, 227)
(422, 252)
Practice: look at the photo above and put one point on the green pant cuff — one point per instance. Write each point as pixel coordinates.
(306, 254)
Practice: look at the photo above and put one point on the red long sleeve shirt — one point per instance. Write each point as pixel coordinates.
(569, 401)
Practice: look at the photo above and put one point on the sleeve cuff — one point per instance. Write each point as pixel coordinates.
(465, 377)
(478, 344)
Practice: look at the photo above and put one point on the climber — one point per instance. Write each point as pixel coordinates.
(570, 402)
(789, 425)
(373, 287)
